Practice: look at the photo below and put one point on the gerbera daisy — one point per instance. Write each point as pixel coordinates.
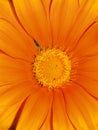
(48, 65)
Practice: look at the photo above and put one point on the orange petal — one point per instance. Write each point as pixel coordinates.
(87, 72)
(33, 17)
(13, 70)
(47, 124)
(15, 43)
(60, 118)
(62, 13)
(88, 67)
(8, 116)
(86, 16)
(82, 108)
(35, 111)
(11, 97)
(12, 93)
(88, 40)
(8, 15)
(90, 85)
(47, 5)
(7, 12)
(92, 75)
(89, 62)
(14, 63)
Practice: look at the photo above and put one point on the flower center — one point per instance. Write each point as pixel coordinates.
(52, 68)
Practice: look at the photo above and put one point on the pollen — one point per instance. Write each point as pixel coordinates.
(52, 68)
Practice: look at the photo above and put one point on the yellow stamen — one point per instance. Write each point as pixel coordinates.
(52, 68)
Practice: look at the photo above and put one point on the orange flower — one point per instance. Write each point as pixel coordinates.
(48, 65)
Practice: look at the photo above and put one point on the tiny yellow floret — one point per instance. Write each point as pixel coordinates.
(52, 68)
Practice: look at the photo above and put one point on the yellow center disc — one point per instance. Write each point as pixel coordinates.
(52, 68)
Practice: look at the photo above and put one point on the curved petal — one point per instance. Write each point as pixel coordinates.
(89, 62)
(11, 97)
(62, 13)
(82, 108)
(86, 17)
(6, 12)
(7, 16)
(47, 123)
(60, 118)
(12, 93)
(35, 110)
(88, 42)
(87, 71)
(90, 85)
(14, 43)
(13, 70)
(33, 17)
(8, 116)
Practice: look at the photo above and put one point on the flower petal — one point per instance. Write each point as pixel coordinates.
(90, 85)
(47, 123)
(7, 12)
(62, 13)
(8, 116)
(33, 17)
(60, 119)
(14, 43)
(82, 108)
(15, 92)
(87, 15)
(89, 62)
(35, 110)
(87, 71)
(13, 70)
(88, 40)
(11, 97)
(8, 15)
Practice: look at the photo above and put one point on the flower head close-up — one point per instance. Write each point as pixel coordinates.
(48, 64)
